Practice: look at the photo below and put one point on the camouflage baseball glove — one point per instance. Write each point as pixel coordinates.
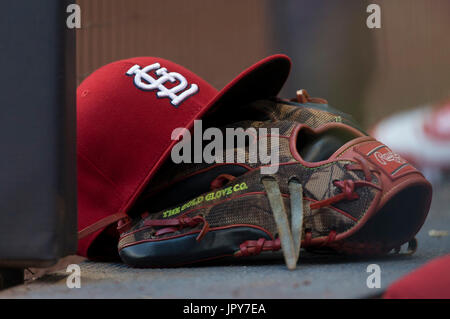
(334, 188)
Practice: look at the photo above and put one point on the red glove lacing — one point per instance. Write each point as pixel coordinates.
(176, 224)
(348, 186)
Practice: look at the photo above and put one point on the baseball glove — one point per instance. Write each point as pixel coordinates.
(335, 188)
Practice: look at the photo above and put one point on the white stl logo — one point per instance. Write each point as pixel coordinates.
(144, 81)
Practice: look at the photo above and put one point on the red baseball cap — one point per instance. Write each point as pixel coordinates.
(431, 281)
(126, 112)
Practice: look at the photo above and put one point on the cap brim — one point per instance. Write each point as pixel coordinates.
(260, 81)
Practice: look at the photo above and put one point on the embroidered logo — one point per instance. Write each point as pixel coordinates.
(389, 162)
(145, 81)
(390, 156)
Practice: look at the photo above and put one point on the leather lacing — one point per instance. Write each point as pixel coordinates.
(289, 235)
(168, 225)
(348, 186)
(177, 224)
(255, 247)
(302, 96)
(124, 224)
(348, 192)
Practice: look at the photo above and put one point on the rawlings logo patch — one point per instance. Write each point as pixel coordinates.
(380, 155)
(145, 81)
(390, 156)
